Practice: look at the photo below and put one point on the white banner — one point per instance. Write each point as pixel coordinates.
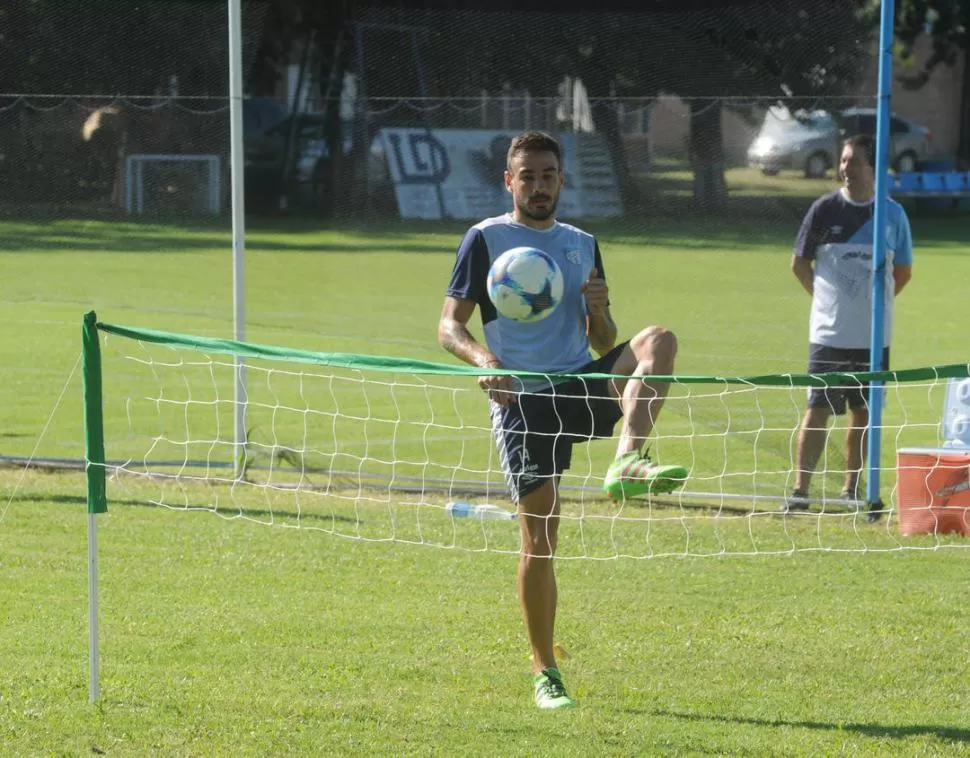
(458, 174)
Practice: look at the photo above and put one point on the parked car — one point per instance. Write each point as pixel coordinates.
(810, 141)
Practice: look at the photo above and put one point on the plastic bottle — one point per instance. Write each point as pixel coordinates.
(462, 509)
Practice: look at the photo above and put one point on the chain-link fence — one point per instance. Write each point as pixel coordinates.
(169, 155)
(719, 109)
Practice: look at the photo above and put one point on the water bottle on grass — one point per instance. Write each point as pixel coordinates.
(482, 511)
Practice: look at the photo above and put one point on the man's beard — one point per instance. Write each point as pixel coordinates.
(540, 215)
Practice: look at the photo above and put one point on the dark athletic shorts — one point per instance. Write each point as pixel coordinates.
(535, 436)
(823, 359)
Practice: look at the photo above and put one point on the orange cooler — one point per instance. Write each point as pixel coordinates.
(933, 490)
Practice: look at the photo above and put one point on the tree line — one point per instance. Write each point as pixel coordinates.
(798, 51)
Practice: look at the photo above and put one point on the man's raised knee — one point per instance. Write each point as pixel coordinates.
(655, 344)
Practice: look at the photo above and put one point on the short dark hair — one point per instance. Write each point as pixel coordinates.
(534, 142)
(866, 144)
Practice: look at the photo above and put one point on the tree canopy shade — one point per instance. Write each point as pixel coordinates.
(948, 21)
(788, 49)
(566, 6)
(56, 47)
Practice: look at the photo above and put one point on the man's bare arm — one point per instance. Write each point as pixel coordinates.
(600, 328)
(453, 334)
(803, 271)
(601, 331)
(901, 276)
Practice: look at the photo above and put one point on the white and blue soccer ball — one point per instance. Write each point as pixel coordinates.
(525, 284)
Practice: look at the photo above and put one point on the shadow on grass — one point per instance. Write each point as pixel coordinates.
(666, 216)
(126, 237)
(251, 513)
(951, 734)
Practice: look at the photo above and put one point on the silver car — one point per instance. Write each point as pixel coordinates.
(810, 142)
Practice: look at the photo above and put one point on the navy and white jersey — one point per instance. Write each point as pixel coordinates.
(837, 234)
(558, 343)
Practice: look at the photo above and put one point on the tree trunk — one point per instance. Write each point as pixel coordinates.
(963, 142)
(332, 173)
(608, 122)
(338, 169)
(707, 154)
(597, 81)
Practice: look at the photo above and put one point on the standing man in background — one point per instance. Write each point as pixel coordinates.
(833, 262)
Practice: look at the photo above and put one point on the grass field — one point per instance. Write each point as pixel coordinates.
(234, 636)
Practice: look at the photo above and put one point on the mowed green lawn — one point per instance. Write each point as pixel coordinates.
(724, 288)
(228, 636)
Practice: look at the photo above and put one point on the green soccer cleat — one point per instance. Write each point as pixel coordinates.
(633, 474)
(550, 692)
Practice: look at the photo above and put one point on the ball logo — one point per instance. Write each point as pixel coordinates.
(525, 284)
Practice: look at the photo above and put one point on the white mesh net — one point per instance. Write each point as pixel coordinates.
(378, 451)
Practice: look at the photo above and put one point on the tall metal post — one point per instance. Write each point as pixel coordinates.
(236, 162)
(886, 43)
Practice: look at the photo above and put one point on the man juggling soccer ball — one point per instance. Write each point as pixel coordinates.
(536, 421)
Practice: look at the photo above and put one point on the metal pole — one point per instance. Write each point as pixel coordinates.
(96, 487)
(886, 39)
(94, 635)
(238, 226)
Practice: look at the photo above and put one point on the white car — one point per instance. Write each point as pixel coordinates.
(810, 141)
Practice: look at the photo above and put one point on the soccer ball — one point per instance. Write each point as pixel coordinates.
(525, 284)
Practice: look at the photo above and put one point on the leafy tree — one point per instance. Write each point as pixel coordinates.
(948, 21)
(52, 47)
(797, 50)
(102, 58)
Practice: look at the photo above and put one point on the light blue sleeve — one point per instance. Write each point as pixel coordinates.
(904, 240)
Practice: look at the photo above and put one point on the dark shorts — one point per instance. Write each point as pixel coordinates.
(535, 436)
(823, 359)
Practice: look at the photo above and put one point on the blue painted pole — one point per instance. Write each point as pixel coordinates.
(886, 42)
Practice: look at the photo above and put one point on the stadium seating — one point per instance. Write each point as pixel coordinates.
(904, 183)
(955, 181)
(933, 183)
(939, 184)
(945, 190)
